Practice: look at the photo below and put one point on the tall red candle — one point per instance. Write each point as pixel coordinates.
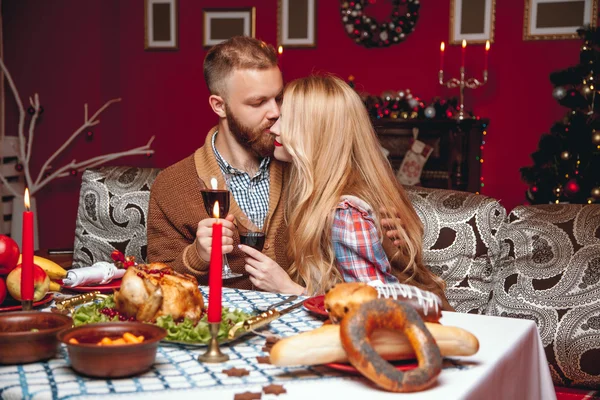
(442, 48)
(463, 53)
(27, 252)
(215, 272)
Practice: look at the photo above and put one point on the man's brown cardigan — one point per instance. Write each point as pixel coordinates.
(176, 207)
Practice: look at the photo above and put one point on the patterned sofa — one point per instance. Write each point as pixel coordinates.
(538, 262)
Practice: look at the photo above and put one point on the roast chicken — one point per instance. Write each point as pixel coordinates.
(153, 290)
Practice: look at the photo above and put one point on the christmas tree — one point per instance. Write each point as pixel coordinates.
(566, 165)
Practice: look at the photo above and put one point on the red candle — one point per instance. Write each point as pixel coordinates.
(442, 48)
(487, 50)
(463, 53)
(215, 272)
(27, 252)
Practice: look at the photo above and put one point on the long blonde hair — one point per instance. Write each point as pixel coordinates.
(327, 131)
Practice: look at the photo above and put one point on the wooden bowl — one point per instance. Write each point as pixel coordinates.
(30, 336)
(113, 361)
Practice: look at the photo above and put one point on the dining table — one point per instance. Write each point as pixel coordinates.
(510, 364)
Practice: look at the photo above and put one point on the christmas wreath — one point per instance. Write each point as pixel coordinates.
(367, 31)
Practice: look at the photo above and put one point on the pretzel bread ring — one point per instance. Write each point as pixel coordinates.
(355, 332)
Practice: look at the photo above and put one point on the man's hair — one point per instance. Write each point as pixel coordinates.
(239, 52)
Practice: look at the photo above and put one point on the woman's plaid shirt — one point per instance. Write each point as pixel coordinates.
(357, 243)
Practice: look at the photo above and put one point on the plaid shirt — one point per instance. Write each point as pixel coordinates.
(358, 250)
(251, 194)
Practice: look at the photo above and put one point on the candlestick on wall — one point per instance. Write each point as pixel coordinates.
(462, 82)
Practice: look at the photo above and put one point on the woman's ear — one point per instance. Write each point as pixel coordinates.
(218, 105)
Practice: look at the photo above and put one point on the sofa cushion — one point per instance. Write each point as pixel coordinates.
(550, 273)
(459, 242)
(113, 204)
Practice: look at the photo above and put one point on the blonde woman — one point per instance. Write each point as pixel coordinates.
(339, 182)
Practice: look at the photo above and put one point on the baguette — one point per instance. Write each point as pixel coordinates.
(323, 345)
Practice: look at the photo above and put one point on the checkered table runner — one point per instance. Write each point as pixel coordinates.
(176, 369)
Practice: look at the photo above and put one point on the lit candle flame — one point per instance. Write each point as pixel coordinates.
(213, 183)
(442, 46)
(27, 204)
(216, 210)
(464, 43)
(280, 50)
(487, 45)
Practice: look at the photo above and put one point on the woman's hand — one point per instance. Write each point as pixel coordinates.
(389, 225)
(267, 275)
(204, 236)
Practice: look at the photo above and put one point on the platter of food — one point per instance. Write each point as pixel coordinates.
(157, 294)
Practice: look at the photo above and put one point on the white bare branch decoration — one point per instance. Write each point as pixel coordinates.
(47, 173)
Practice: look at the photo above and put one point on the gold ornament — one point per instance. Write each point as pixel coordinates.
(404, 115)
(596, 138)
(414, 115)
(596, 192)
(557, 190)
(394, 115)
(565, 155)
(586, 90)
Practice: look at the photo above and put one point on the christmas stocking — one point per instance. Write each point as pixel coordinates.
(415, 158)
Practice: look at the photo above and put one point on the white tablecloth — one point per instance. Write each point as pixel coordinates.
(510, 364)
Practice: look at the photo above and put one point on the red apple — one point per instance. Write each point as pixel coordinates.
(2, 290)
(41, 283)
(9, 254)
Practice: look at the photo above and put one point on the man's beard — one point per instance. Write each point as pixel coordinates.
(255, 140)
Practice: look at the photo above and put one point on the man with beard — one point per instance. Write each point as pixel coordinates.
(246, 89)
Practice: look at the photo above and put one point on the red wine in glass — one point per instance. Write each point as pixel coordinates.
(256, 240)
(210, 196)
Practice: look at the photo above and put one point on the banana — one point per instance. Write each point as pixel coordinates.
(54, 287)
(52, 269)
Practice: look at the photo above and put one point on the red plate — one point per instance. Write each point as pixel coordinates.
(11, 304)
(400, 366)
(106, 288)
(316, 305)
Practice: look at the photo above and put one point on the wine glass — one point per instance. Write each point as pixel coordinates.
(210, 197)
(250, 234)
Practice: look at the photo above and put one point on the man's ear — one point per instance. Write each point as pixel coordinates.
(218, 105)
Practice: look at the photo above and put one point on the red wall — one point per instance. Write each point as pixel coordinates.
(74, 51)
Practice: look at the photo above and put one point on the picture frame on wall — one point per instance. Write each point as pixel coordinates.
(221, 24)
(472, 20)
(557, 19)
(161, 24)
(297, 23)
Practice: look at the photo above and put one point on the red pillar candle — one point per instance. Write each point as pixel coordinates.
(487, 50)
(27, 252)
(442, 49)
(463, 53)
(215, 272)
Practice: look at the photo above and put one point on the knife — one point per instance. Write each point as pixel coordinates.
(262, 319)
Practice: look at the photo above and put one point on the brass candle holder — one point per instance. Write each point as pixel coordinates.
(462, 83)
(213, 352)
(27, 305)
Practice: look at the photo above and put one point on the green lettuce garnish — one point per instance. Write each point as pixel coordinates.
(185, 331)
